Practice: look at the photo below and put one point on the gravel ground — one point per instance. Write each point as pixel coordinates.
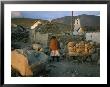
(67, 68)
(71, 69)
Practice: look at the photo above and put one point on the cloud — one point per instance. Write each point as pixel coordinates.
(75, 13)
(16, 14)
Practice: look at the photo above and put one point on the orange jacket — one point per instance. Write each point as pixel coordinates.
(54, 44)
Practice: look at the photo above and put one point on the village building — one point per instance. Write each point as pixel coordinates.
(36, 36)
(78, 32)
(81, 34)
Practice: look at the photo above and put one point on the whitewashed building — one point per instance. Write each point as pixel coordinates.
(93, 36)
(37, 37)
(77, 28)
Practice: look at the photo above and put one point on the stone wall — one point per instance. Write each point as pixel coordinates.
(94, 36)
(37, 37)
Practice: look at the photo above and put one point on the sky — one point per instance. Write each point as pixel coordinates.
(49, 15)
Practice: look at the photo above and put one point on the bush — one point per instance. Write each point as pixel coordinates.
(20, 34)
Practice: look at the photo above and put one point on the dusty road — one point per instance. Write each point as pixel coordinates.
(71, 69)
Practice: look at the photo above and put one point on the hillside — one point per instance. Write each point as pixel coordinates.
(26, 22)
(86, 20)
(54, 27)
(46, 27)
(63, 24)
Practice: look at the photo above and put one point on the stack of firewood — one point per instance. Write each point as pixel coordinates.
(80, 49)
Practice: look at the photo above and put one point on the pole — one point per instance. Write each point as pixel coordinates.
(72, 22)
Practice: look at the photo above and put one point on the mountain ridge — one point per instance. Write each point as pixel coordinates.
(63, 24)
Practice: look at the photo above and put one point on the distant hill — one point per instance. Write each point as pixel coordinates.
(54, 27)
(26, 22)
(46, 26)
(89, 20)
(86, 20)
(63, 24)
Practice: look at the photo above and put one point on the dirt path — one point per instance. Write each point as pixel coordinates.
(72, 69)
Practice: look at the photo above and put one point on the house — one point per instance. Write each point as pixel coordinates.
(35, 24)
(78, 30)
(37, 37)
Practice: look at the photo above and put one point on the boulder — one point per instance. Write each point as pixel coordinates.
(32, 62)
(20, 63)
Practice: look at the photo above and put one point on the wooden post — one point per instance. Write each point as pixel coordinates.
(72, 22)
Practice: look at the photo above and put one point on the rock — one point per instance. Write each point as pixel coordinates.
(31, 62)
(37, 47)
(73, 75)
(20, 63)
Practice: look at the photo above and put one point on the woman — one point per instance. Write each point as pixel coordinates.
(54, 48)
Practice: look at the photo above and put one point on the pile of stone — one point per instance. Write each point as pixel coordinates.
(37, 47)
